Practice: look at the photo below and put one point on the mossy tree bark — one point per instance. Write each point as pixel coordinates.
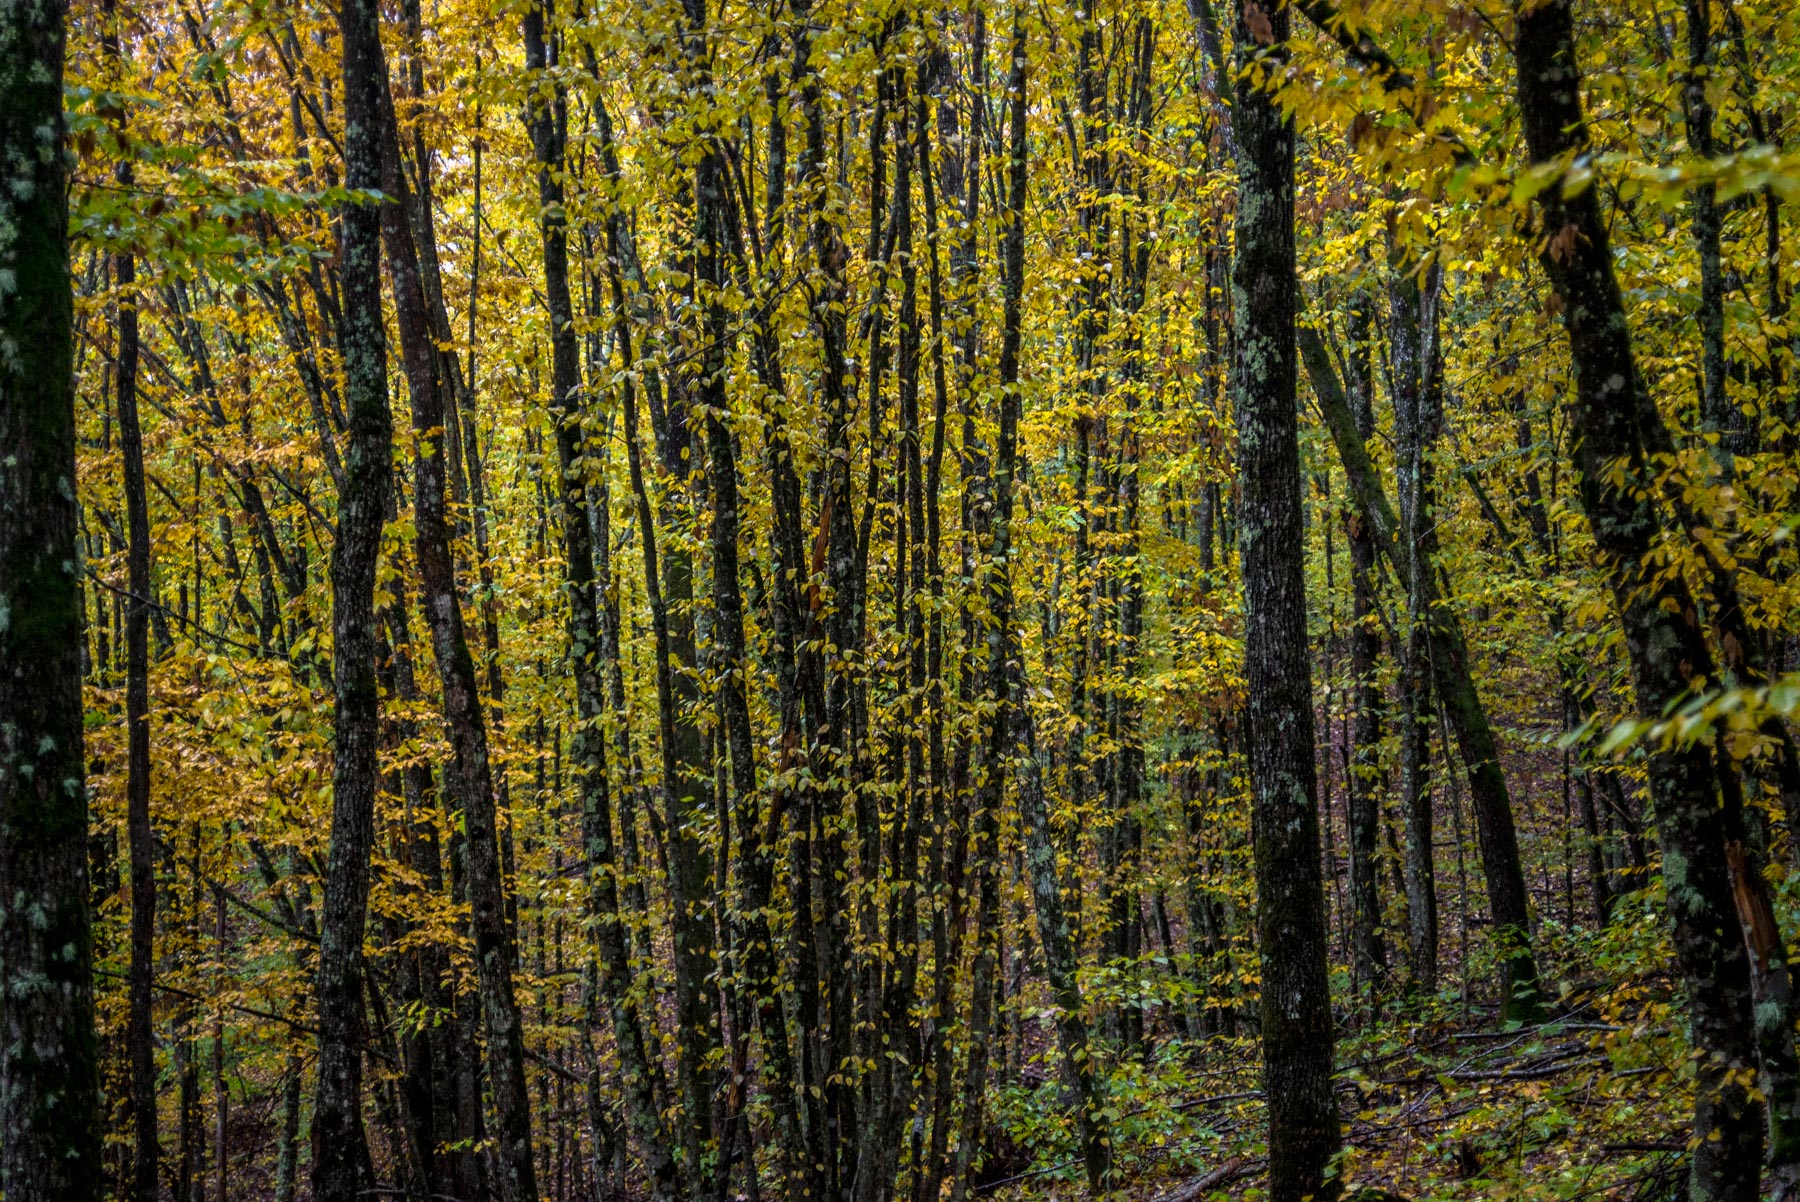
(610, 990)
(338, 1149)
(1296, 999)
(1616, 429)
(49, 1073)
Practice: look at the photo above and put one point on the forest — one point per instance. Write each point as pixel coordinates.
(899, 600)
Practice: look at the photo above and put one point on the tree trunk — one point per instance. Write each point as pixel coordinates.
(140, 1036)
(472, 772)
(1296, 1000)
(1013, 735)
(1718, 416)
(1365, 785)
(1413, 649)
(362, 502)
(49, 1056)
(1613, 418)
(1448, 652)
(638, 1060)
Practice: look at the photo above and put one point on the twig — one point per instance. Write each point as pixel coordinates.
(167, 612)
(296, 1024)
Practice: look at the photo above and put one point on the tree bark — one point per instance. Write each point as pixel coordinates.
(1448, 651)
(1013, 736)
(1296, 1000)
(338, 1151)
(471, 773)
(140, 837)
(1615, 424)
(1365, 785)
(611, 991)
(1718, 416)
(49, 1073)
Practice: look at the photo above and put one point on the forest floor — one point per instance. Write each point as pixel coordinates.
(1438, 1103)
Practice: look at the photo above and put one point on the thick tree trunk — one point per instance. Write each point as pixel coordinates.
(1613, 420)
(49, 1077)
(1296, 999)
(362, 501)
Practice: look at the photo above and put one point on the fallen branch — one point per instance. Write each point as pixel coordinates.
(1192, 1191)
(1531, 1074)
(1196, 1103)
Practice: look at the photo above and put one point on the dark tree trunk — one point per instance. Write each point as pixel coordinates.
(140, 836)
(1448, 652)
(338, 1151)
(687, 789)
(1413, 647)
(1718, 416)
(1296, 1001)
(471, 771)
(1365, 784)
(49, 1056)
(1616, 426)
(1418, 417)
(611, 992)
(140, 1038)
(1013, 735)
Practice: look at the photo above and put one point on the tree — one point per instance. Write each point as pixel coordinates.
(339, 1152)
(1618, 432)
(139, 833)
(1290, 898)
(49, 1078)
(876, 692)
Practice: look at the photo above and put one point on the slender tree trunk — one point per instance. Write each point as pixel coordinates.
(1365, 784)
(221, 1097)
(946, 949)
(140, 1036)
(421, 968)
(1413, 649)
(758, 834)
(612, 991)
(287, 1148)
(711, 202)
(1447, 651)
(495, 952)
(362, 501)
(820, 935)
(1718, 416)
(962, 174)
(49, 1056)
(1296, 1000)
(1013, 736)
